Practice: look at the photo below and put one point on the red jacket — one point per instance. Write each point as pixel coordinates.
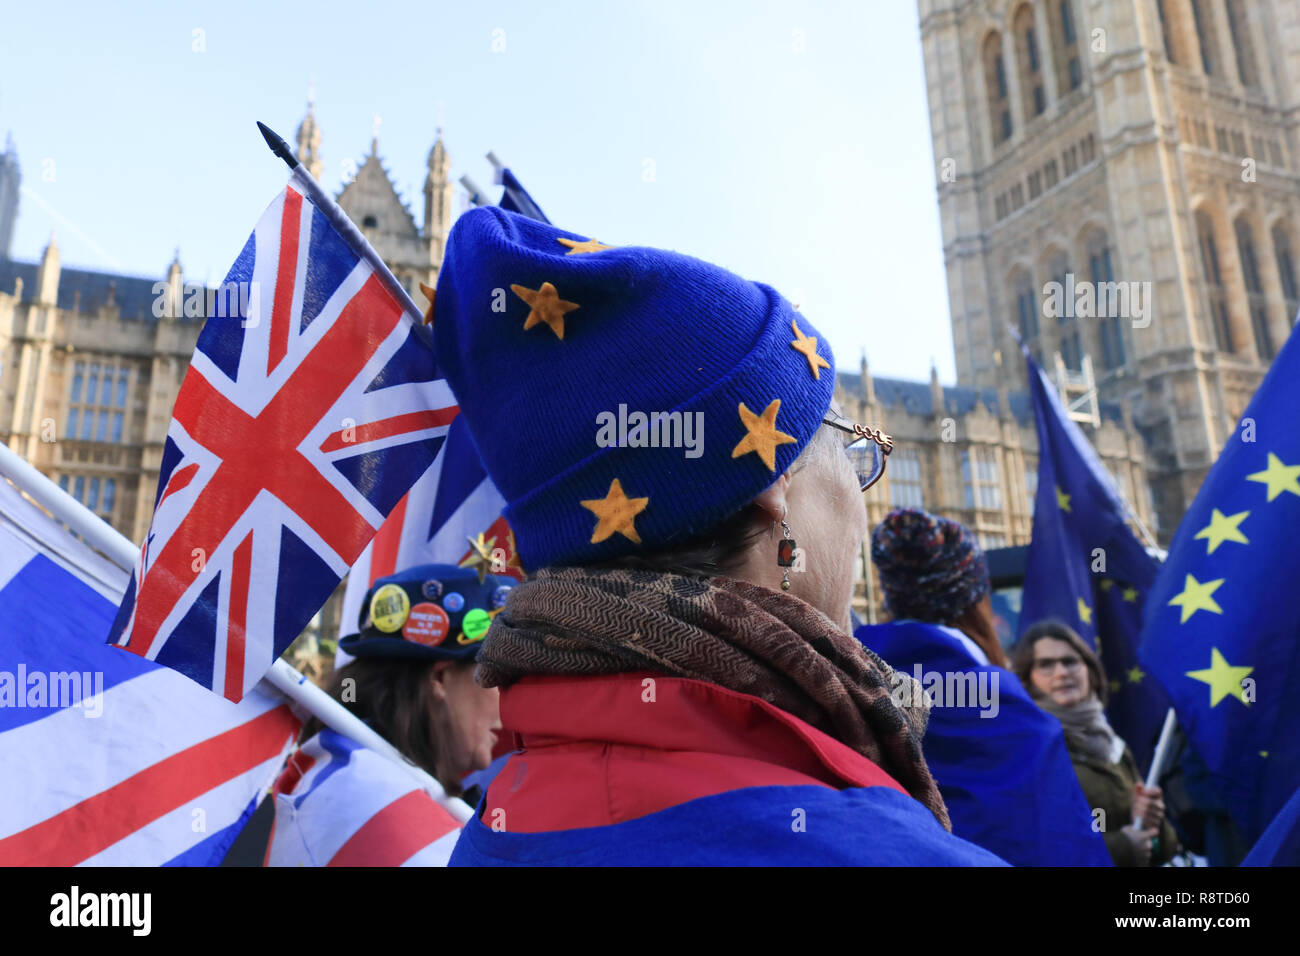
(602, 750)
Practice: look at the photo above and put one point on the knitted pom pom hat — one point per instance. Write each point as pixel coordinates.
(621, 398)
(931, 568)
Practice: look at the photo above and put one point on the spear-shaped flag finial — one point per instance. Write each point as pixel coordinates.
(278, 145)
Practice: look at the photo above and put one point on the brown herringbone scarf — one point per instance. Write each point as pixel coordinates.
(731, 633)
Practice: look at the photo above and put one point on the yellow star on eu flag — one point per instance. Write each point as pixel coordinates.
(1085, 612)
(1105, 584)
(1135, 675)
(1224, 679)
(1223, 528)
(1196, 596)
(1062, 500)
(1130, 595)
(1278, 477)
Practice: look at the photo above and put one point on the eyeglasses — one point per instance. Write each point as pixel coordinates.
(868, 452)
(1045, 665)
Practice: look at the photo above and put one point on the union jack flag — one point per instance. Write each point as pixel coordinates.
(299, 426)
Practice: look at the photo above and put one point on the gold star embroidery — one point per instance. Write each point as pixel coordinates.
(1085, 612)
(428, 313)
(1195, 597)
(1062, 500)
(587, 245)
(1130, 595)
(1224, 679)
(763, 436)
(546, 307)
(481, 558)
(807, 346)
(1223, 528)
(617, 513)
(1278, 477)
(1135, 675)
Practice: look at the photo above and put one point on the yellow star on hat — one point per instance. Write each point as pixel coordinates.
(807, 345)
(481, 559)
(617, 513)
(587, 245)
(763, 435)
(546, 307)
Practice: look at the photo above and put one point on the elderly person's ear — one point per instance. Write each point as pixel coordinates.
(772, 502)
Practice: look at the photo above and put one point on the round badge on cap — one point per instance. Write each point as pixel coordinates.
(453, 602)
(474, 626)
(432, 589)
(389, 607)
(427, 624)
(499, 596)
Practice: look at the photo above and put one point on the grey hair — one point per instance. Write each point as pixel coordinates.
(720, 549)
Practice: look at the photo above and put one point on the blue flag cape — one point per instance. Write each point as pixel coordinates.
(1007, 779)
(754, 826)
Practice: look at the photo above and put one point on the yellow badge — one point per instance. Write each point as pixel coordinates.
(389, 608)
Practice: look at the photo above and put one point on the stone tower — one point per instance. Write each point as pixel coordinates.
(1135, 160)
(10, 178)
(309, 144)
(437, 201)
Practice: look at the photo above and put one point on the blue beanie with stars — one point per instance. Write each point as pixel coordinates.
(622, 398)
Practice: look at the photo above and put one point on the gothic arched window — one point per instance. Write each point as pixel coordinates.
(1286, 271)
(1166, 30)
(1241, 44)
(1110, 320)
(1203, 17)
(1067, 323)
(995, 79)
(1022, 286)
(1065, 45)
(1031, 64)
(1254, 290)
(1214, 282)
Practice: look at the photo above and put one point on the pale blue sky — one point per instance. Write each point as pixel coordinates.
(811, 171)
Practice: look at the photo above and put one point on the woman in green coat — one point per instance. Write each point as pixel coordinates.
(1066, 679)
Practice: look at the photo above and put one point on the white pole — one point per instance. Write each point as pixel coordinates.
(282, 677)
(1162, 752)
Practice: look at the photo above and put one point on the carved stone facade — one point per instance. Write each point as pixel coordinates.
(1144, 148)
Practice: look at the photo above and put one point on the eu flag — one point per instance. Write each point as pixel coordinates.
(1222, 624)
(1086, 568)
(515, 198)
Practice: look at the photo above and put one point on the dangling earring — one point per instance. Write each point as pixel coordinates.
(785, 553)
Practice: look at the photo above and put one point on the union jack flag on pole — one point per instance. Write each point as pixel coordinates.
(301, 423)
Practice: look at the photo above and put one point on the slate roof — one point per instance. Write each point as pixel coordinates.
(134, 295)
(914, 398)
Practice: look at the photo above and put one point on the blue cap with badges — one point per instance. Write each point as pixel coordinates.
(434, 612)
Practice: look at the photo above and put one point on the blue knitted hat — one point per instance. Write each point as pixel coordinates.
(553, 345)
(931, 568)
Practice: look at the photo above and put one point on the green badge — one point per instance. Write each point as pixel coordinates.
(474, 626)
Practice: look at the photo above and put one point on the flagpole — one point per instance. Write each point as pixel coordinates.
(340, 221)
(282, 677)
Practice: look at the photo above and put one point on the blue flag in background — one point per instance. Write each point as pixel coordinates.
(516, 198)
(1222, 624)
(1085, 566)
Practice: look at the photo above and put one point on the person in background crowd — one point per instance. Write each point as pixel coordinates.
(1066, 679)
(1000, 762)
(412, 682)
(680, 695)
